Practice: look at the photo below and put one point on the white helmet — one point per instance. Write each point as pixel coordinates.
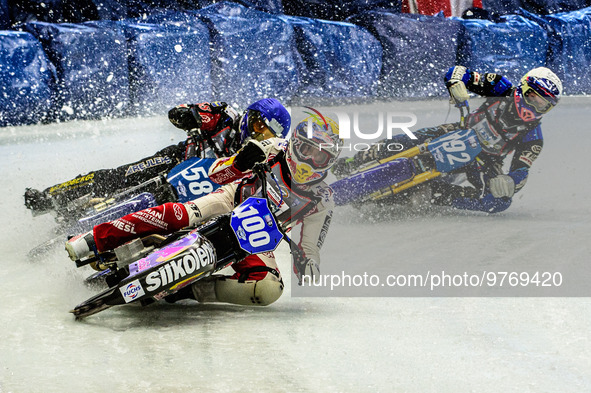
(313, 148)
(538, 92)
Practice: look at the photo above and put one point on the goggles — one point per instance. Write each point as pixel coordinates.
(259, 130)
(314, 155)
(534, 99)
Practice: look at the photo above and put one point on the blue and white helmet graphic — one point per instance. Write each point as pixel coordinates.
(267, 113)
(538, 92)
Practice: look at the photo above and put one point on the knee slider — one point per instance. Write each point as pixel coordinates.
(268, 290)
(250, 293)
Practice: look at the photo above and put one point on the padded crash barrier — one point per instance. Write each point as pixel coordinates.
(238, 54)
(417, 51)
(510, 47)
(569, 47)
(253, 54)
(338, 59)
(91, 64)
(168, 64)
(26, 80)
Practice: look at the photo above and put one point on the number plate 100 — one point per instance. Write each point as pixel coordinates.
(255, 226)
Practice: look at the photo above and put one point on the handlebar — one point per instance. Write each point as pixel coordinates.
(464, 108)
(197, 136)
(260, 170)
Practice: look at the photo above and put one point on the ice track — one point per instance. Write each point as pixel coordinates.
(306, 344)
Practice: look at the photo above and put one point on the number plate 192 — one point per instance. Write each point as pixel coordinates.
(454, 150)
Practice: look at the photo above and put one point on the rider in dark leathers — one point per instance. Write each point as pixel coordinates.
(221, 132)
(508, 121)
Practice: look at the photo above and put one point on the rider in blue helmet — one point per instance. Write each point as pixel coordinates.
(215, 129)
(265, 119)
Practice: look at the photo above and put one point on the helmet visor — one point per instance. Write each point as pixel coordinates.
(313, 155)
(257, 127)
(534, 99)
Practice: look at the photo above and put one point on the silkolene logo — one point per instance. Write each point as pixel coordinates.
(188, 263)
(388, 122)
(132, 291)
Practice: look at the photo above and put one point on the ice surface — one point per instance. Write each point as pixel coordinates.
(386, 344)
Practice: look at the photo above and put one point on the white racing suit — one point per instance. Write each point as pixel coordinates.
(306, 209)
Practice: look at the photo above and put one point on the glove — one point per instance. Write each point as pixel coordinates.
(502, 186)
(456, 86)
(252, 153)
(458, 92)
(306, 269)
(184, 117)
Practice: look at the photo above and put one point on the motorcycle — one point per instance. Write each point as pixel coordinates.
(149, 269)
(186, 181)
(390, 176)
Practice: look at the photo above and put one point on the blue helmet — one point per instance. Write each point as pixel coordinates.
(267, 112)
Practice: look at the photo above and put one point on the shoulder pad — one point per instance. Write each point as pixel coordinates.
(325, 192)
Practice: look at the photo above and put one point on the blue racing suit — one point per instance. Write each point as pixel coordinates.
(500, 132)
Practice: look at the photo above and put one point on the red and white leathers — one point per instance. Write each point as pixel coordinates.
(257, 279)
